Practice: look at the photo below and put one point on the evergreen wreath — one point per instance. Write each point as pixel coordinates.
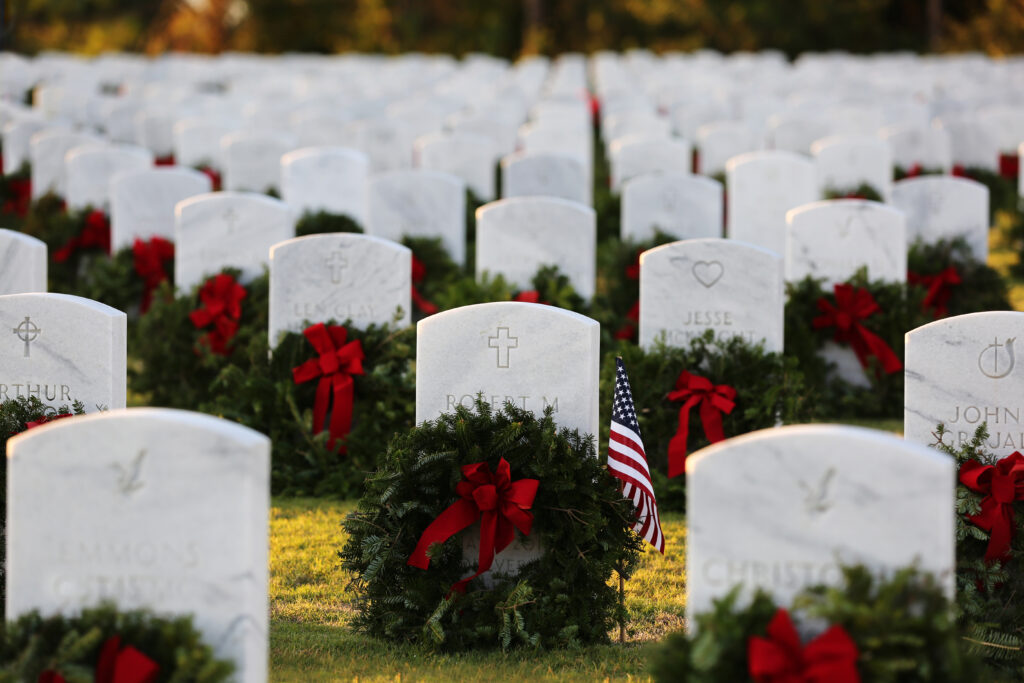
(116, 282)
(861, 191)
(990, 593)
(549, 286)
(260, 392)
(981, 288)
(169, 365)
(769, 387)
(318, 222)
(71, 647)
(903, 630)
(580, 520)
(49, 220)
(900, 311)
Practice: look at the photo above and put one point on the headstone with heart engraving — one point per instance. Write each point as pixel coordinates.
(733, 288)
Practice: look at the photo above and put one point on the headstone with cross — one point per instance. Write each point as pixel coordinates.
(227, 229)
(60, 349)
(149, 508)
(338, 276)
(780, 509)
(962, 371)
(22, 263)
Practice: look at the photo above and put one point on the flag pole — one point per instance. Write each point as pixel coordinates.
(622, 606)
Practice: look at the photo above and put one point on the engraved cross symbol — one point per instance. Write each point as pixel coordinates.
(230, 216)
(27, 332)
(337, 262)
(502, 341)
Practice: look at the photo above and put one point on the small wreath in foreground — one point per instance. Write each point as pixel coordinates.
(103, 644)
(579, 519)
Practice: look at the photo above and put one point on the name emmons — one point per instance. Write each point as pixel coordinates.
(44, 392)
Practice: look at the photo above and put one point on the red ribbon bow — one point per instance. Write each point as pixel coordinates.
(116, 665)
(780, 658)
(419, 273)
(939, 289)
(221, 297)
(45, 419)
(150, 257)
(167, 160)
(20, 198)
(335, 366)
(95, 234)
(530, 296)
(853, 305)
(629, 328)
(1004, 484)
(499, 503)
(914, 171)
(713, 399)
(1009, 166)
(214, 176)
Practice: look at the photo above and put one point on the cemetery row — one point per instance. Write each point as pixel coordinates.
(778, 295)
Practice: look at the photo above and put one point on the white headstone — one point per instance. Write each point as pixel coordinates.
(762, 187)
(197, 142)
(89, 169)
(419, 204)
(733, 288)
(331, 179)
(634, 156)
(682, 205)
(942, 207)
(252, 161)
(22, 263)
(525, 174)
(150, 508)
(154, 130)
(16, 136)
(340, 276)
(46, 154)
(923, 146)
(530, 354)
(142, 202)
(962, 371)
(780, 509)
(227, 229)
(719, 142)
(833, 239)
(471, 157)
(515, 237)
(972, 143)
(845, 163)
(61, 348)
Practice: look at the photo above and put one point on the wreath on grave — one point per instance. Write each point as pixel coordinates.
(17, 415)
(547, 482)
(884, 631)
(617, 305)
(368, 388)
(689, 397)
(899, 172)
(185, 340)
(74, 239)
(16, 192)
(128, 280)
(107, 646)
(319, 222)
(870, 318)
(549, 286)
(862, 191)
(953, 281)
(990, 545)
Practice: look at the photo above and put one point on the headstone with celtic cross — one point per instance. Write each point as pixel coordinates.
(945, 208)
(781, 509)
(962, 371)
(149, 508)
(682, 205)
(338, 276)
(22, 263)
(60, 349)
(227, 230)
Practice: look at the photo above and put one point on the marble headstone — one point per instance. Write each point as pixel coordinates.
(341, 276)
(845, 163)
(419, 203)
(89, 169)
(920, 145)
(682, 205)
(22, 263)
(227, 229)
(252, 161)
(780, 509)
(330, 179)
(142, 202)
(16, 136)
(62, 348)
(467, 156)
(152, 508)
(515, 237)
(942, 207)
(197, 142)
(962, 371)
(46, 154)
(526, 174)
(733, 288)
(719, 142)
(763, 186)
(632, 157)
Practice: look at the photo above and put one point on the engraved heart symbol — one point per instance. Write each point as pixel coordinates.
(708, 272)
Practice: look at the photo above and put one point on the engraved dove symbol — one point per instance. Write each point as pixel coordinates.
(128, 477)
(817, 500)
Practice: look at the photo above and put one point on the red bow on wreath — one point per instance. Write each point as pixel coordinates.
(852, 306)
(150, 257)
(1004, 484)
(501, 505)
(221, 297)
(629, 328)
(20, 190)
(46, 419)
(939, 289)
(214, 176)
(337, 362)
(95, 234)
(780, 658)
(116, 665)
(419, 274)
(713, 399)
(166, 160)
(1009, 166)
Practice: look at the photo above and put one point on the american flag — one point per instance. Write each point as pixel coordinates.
(628, 462)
